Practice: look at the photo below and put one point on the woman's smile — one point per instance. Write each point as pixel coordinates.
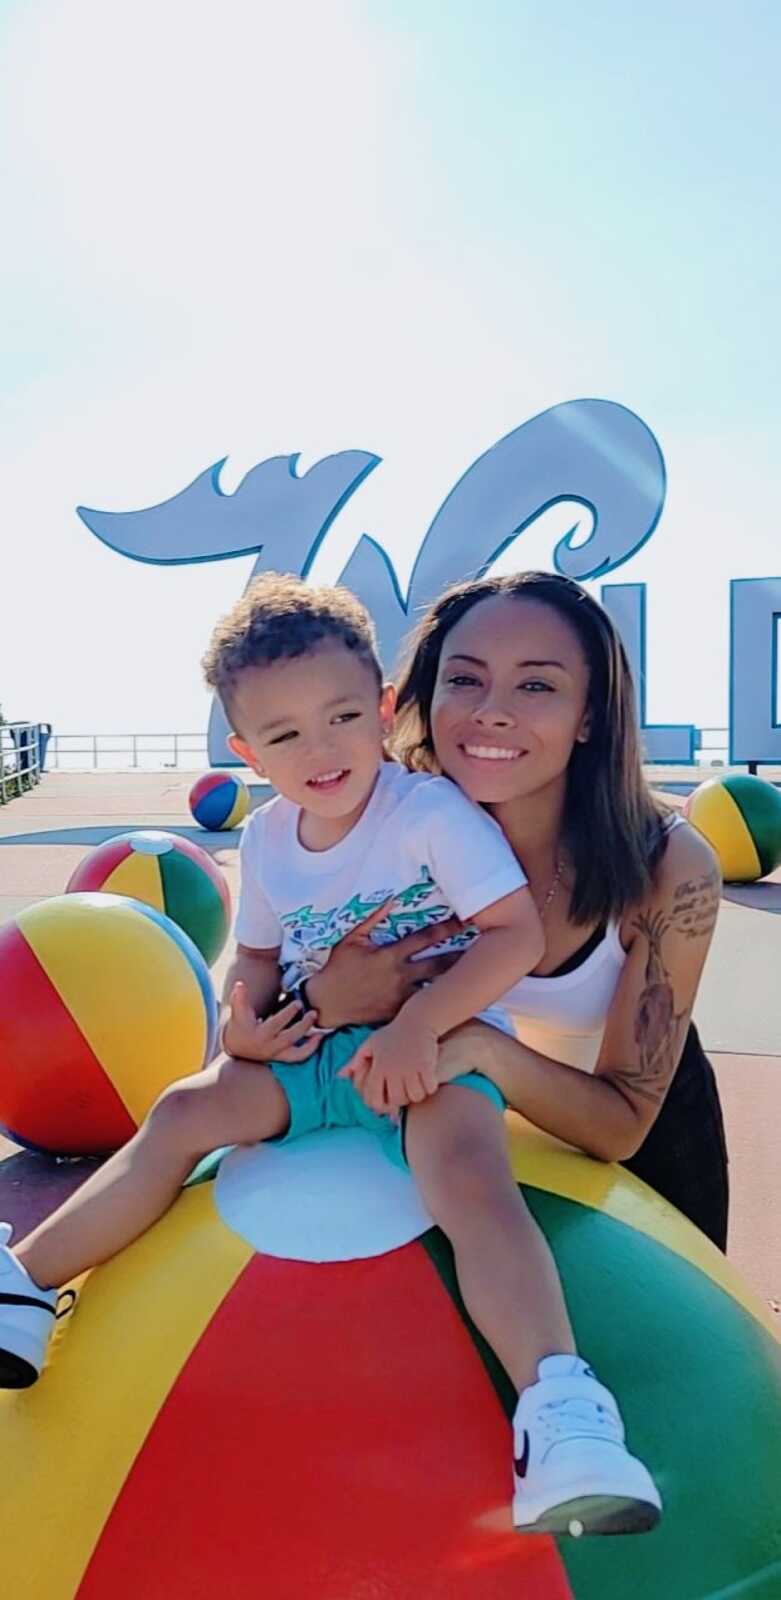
(491, 752)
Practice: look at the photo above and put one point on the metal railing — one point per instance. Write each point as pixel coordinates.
(96, 752)
(20, 764)
(80, 752)
(104, 752)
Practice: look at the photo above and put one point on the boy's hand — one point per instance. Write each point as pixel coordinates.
(395, 1067)
(284, 1037)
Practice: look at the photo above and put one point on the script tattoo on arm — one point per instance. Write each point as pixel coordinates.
(658, 1028)
(696, 905)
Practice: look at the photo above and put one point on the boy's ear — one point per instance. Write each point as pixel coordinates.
(387, 708)
(245, 753)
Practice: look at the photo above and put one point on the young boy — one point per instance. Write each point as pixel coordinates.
(349, 834)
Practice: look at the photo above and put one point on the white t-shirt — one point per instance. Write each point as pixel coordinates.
(419, 840)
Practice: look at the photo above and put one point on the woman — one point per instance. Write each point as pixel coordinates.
(520, 691)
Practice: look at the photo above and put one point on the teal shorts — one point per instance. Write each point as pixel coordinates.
(319, 1099)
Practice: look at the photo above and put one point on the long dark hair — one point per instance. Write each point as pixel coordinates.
(613, 825)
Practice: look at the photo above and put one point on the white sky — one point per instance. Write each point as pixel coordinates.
(252, 229)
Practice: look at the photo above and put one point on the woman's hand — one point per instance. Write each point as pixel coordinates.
(470, 1048)
(363, 983)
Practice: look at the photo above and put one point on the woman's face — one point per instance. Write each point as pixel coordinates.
(510, 699)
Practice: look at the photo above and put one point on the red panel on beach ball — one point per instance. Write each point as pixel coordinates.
(110, 1003)
(54, 1094)
(428, 1505)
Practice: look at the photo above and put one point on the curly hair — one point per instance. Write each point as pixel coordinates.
(278, 617)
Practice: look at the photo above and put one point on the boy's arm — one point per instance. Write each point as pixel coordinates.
(259, 971)
(511, 943)
(479, 875)
(251, 986)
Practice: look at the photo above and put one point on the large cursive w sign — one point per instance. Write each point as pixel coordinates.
(593, 452)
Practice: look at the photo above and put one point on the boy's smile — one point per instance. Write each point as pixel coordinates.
(329, 781)
(313, 725)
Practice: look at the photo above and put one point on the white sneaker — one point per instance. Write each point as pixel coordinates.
(573, 1472)
(27, 1316)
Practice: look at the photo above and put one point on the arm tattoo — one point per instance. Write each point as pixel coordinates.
(657, 1024)
(696, 904)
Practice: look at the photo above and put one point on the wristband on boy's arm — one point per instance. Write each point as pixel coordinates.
(293, 991)
(300, 993)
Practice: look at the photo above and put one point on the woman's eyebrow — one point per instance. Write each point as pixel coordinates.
(476, 662)
(559, 664)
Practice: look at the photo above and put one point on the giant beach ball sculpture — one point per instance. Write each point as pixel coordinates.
(104, 1003)
(167, 872)
(275, 1392)
(219, 800)
(740, 816)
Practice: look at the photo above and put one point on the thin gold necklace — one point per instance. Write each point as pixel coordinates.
(552, 890)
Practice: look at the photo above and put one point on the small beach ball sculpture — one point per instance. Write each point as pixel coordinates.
(167, 872)
(740, 816)
(276, 1391)
(219, 800)
(104, 1003)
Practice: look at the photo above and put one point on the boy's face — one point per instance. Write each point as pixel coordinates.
(313, 725)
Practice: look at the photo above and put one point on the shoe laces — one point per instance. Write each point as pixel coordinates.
(577, 1417)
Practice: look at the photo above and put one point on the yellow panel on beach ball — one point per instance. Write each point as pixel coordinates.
(104, 950)
(138, 876)
(714, 813)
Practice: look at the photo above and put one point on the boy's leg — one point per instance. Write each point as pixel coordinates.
(456, 1146)
(229, 1102)
(573, 1472)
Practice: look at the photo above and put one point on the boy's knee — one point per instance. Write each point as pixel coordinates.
(463, 1158)
(175, 1111)
(453, 1159)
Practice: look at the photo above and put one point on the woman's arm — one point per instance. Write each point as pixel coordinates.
(364, 983)
(608, 1113)
(649, 1019)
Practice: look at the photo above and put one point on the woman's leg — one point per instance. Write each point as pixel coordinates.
(456, 1145)
(229, 1102)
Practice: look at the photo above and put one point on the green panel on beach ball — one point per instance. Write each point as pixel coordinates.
(760, 805)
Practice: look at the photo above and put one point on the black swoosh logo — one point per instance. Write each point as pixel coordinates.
(522, 1461)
